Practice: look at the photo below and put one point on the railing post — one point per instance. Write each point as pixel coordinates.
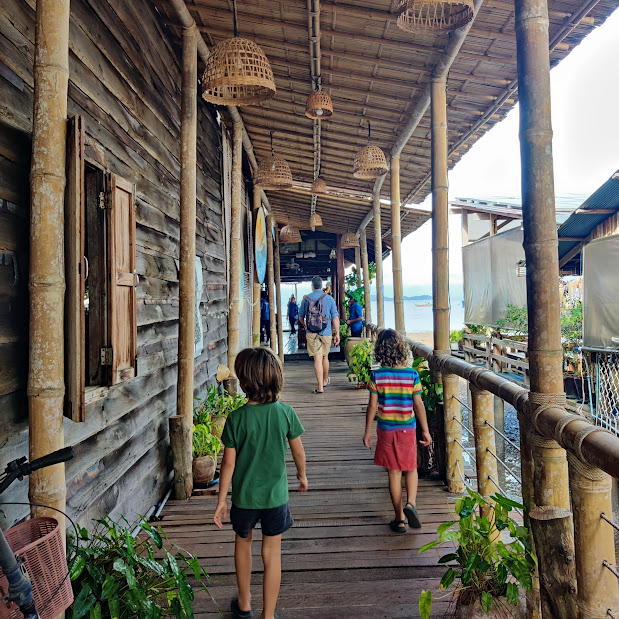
(378, 259)
(278, 301)
(453, 433)
(485, 445)
(594, 540)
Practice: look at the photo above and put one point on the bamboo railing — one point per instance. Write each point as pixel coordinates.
(592, 453)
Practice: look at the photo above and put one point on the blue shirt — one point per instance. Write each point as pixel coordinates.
(328, 303)
(293, 310)
(356, 311)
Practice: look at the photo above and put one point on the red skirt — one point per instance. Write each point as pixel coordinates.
(396, 450)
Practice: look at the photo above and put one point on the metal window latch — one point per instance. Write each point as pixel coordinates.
(106, 356)
(103, 200)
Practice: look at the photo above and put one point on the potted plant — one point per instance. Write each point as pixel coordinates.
(215, 408)
(206, 447)
(360, 363)
(492, 560)
(114, 574)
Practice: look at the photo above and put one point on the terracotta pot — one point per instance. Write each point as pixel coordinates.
(501, 609)
(203, 469)
(350, 344)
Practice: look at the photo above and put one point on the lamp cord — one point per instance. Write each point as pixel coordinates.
(236, 28)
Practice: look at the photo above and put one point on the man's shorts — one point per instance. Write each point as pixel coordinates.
(318, 344)
(274, 521)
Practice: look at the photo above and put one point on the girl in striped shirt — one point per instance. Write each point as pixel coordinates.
(395, 401)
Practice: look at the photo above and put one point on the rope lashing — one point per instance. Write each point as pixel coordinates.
(591, 473)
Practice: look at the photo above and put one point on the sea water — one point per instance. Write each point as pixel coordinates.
(419, 319)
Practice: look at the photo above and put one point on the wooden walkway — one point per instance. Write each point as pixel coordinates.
(340, 560)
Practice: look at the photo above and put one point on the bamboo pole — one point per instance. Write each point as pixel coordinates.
(358, 264)
(278, 300)
(485, 444)
(236, 246)
(340, 276)
(396, 246)
(378, 259)
(47, 283)
(271, 282)
(440, 240)
(183, 479)
(453, 433)
(363, 240)
(257, 287)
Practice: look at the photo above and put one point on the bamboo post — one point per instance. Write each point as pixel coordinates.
(378, 259)
(255, 330)
(485, 444)
(396, 246)
(340, 277)
(591, 491)
(553, 531)
(358, 264)
(453, 434)
(363, 240)
(278, 301)
(271, 283)
(183, 479)
(47, 283)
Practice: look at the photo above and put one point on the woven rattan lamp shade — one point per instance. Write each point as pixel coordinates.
(370, 163)
(273, 173)
(319, 106)
(349, 240)
(319, 187)
(237, 73)
(420, 16)
(315, 220)
(289, 234)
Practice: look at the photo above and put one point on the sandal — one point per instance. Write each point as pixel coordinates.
(328, 382)
(316, 391)
(398, 526)
(237, 612)
(412, 515)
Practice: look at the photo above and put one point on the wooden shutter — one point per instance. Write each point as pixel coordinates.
(122, 280)
(75, 318)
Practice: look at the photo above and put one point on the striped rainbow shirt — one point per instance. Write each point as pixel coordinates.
(395, 388)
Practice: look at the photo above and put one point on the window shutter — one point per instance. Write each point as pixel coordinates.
(75, 319)
(122, 280)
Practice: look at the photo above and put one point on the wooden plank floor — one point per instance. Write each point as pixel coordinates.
(340, 560)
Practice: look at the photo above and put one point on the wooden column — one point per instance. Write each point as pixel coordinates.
(485, 445)
(358, 265)
(363, 241)
(378, 259)
(453, 433)
(255, 336)
(47, 282)
(340, 277)
(236, 246)
(278, 301)
(440, 241)
(396, 246)
(271, 282)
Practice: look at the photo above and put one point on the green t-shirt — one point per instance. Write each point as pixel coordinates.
(259, 433)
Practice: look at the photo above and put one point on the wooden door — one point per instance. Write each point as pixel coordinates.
(122, 280)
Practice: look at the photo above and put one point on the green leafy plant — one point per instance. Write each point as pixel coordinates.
(204, 442)
(516, 320)
(344, 334)
(456, 336)
(216, 405)
(493, 558)
(116, 576)
(432, 392)
(360, 362)
(571, 330)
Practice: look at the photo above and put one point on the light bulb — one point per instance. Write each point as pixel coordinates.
(319, 112)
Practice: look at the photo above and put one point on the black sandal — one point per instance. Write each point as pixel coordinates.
(237, 612)
(398, 526)
(319, 392)
(412, 515)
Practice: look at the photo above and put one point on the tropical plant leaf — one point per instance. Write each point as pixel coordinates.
(114, 605)
(486, 601)
(512, 593)
(505, 502)
(502, 574)
(95, 611)
(452, 556)
(448, 577)
(425, 604)
(110, 586)
(469, 568)
(430, 545)
(443, 527)
(83, 602)
(77, 567)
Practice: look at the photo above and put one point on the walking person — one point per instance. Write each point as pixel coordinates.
(395, 394)
(265, 318)
(319, 316)
(255, 437)
(355, 317)
(293, 314)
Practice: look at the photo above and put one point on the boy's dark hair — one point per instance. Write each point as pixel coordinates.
(391, 349)
(260, 374)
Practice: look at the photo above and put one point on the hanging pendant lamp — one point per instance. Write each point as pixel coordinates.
(349, 239)
(315, 221)
(319, 187)
(370, 162)
(290, 234)
(273, 172)
(319, 106)
(237, 72)
(419, 16)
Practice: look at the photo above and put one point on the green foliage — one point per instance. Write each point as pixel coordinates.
(115, 575)
(361, 362)
(215, 405)
(354, 285)
(492, 558)
(425, 604)
(353, 279)
(204, 442)
(516, 320)
(344, 335)
(432, 391)
(476, 329)
(571, 330)
(456, 336)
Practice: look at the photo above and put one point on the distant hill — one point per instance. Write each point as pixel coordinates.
(423, 297)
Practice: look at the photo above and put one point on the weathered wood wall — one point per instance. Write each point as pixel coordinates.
(125, 82)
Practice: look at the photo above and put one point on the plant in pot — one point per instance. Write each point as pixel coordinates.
(215, 408)
(114, 574)
(492, 560)
(206, 447)
(360, 363)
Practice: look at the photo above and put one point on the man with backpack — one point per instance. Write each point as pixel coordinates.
(318, 315)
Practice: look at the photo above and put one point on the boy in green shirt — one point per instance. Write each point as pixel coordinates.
(254, 460)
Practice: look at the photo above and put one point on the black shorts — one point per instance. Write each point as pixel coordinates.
(273, 521)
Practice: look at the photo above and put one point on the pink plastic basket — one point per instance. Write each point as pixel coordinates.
(39, 542)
